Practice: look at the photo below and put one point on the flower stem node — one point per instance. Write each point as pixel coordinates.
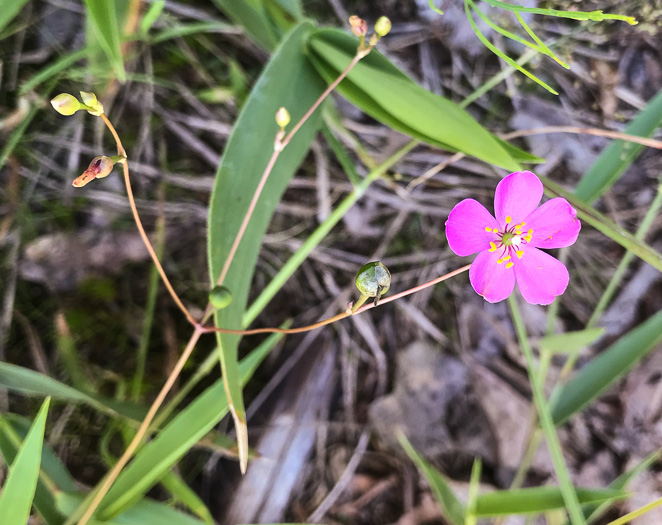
(382, 26)
(66, 104)
(220, 297)
(282, 118)
(94, 107)
(99, 168)
(372, 280)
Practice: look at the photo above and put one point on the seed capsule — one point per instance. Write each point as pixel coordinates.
(373, 280)
(220, 297)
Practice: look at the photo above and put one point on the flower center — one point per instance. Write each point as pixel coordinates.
(510, 241)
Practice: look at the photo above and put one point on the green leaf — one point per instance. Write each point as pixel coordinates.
(382, 91)
(253, 17)
(154, 460)
(102, 16)
(186, 496)
(19, 489)
(570, 342)
(537, 500)
(145, 512)
(451, 508)
(618, 156)
(601, 223)
(245, 158)
(29, 382)
(605, 369)
(9, 11)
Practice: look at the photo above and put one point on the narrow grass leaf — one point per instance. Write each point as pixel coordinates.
(246, 155)
(570, 342)
(253, 17)
(102, 16)
(607, 368)
(450, 506)
(145, 512)
(382, 91)
(619, 155)
(9, 11)
(601, 223)
(186, 496)
(19, 488)
(537, 500)
(151, 15)
(26, 381)
(53, 476)
(177, 437)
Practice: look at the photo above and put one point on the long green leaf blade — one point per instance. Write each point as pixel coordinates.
(537, 500)
(102, 15)
(382, 91)
(605, 369)
(616, 158)
(19, 489)
(450, 506)
(246, 156)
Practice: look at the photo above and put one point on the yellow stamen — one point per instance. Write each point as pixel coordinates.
(506, 258)
(499, 261)
(488, 229)
(519, 253)
(492, 247)
(496, 230)
(510, 265)
(509, 219)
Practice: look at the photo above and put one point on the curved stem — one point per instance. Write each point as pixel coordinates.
(339, 316)
(141, 229)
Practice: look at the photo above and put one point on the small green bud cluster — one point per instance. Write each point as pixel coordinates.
(66, 104)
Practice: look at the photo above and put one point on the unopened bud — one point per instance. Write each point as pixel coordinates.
(382, 26)
(99, 168)
(94, 107)
(358, 26)
(65, 104)
(282, 117)
(220, 297)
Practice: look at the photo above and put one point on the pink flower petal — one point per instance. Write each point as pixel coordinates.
(516, 196)
(493, 281)
(554, 224)
(466, 228)
(540, 277)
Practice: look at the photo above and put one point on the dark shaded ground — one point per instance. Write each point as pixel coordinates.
(442, 363)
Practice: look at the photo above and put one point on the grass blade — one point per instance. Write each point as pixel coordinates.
(19, 489)
(102, 16)
(618, 156)
(382, 91)
(605, 369)
(537, 500)
(451, 508)
(246, 155)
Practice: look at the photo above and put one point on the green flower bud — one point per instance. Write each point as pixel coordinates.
(282, 117)
(373, 279)
(382, 26)
(65, 104)
(94, 107)
(220, 297)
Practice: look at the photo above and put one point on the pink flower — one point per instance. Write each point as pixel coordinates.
(507, 246)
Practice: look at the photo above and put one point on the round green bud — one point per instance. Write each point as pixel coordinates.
(65, 104)
(220, 297)
(373, 279)
(382, 26)
(282, 117)
(94, 107)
